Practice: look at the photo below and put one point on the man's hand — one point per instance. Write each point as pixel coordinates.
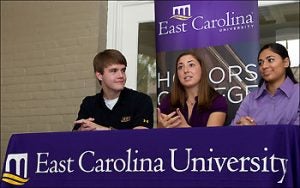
(89, 125)
(140, 127)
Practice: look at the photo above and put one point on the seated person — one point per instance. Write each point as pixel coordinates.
(276, 101)
(115, 107)
(192, 102)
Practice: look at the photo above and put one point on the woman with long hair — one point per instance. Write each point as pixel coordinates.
(191, 102)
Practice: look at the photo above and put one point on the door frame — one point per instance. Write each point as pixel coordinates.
(122, 31)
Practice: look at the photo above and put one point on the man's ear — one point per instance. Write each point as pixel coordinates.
(99, 76)
(286, 62)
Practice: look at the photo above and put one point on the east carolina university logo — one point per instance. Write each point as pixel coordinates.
(15, 178)
(182, 12)
(222, 21)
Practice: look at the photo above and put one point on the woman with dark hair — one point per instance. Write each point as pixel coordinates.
(276, 101)
(191, 102)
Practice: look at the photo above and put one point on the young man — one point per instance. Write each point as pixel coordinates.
(115, 107)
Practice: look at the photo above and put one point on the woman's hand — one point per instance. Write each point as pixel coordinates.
(167, 120)
(173, 120)
(246, 120)
(183, 123)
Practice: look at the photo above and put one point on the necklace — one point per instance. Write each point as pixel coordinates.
(190, 103)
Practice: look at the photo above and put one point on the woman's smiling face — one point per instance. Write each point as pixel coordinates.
(272, 66)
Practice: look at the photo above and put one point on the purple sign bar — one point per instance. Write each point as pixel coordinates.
(261, 156)
(195, 24)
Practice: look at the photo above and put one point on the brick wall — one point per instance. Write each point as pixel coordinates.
(46, 63)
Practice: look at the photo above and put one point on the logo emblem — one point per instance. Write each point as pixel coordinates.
(125, 119)
(182, 12)
(15, 178)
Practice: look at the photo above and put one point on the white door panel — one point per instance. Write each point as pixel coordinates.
(122, 31)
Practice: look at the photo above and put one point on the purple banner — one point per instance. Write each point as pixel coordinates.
(261, 156)
(195, 24)
(225, 34)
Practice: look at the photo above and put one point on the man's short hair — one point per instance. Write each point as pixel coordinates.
(108, 57)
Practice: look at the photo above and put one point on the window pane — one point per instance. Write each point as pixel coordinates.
(280, 23)
(146, 73)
